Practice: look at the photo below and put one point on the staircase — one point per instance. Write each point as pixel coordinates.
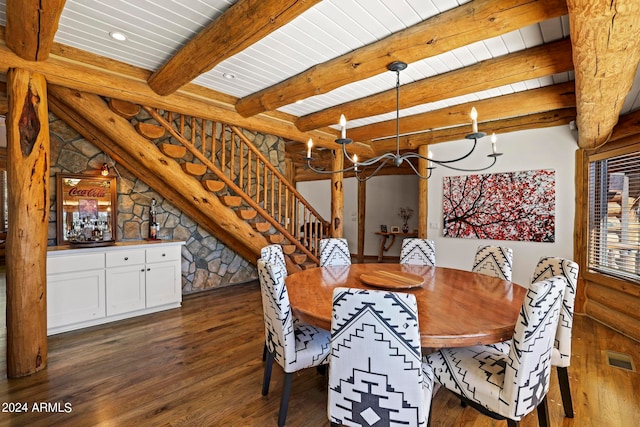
(231, 168)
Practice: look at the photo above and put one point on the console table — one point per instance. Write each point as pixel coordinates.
(384, 236)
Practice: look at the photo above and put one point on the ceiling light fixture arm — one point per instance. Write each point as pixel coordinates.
(359, 166)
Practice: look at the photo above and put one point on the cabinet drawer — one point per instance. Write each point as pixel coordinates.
(69, 263)
(123, 258)
(167, 253)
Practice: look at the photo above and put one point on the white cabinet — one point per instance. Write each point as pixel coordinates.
(163, 275)
(75, 297)
(125, 281)
(89, 286)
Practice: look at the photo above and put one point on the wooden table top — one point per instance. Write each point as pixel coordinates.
(456, 308)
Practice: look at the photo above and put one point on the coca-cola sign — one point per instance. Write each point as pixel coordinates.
(87, 192)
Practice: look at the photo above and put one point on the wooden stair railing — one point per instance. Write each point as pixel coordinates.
(244, 170)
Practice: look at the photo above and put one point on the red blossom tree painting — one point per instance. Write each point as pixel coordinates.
(501, 206)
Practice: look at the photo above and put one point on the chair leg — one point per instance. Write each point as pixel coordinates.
(264, 352)
(543, 413)
(284, 401)
(267, 374)
(512, 423)
(565, 391)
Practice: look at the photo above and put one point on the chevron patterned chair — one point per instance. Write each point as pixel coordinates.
(294, 345)
(508, 385)
(418, 252)
(495, 261)
(273, 254)
(334, 251)
(376, 376)
(561, 353)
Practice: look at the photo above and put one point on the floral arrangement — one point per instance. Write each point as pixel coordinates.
(405, 214)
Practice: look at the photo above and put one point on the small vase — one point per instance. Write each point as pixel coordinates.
(405, 228)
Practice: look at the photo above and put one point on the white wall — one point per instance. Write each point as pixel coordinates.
(385, 196)
(548, 148)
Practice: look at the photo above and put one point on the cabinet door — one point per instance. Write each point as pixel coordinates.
(75, 297)
(125, 289)
(163, 283)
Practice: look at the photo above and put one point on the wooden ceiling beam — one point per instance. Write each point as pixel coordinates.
(532, 121)
(101, 76)
(460, 26)
(606, 53)
(516, 104)
(31, 26)
(628, 125)
(223, 38)
(540, 61)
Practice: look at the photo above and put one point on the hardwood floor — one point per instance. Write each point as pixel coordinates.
(201, 366)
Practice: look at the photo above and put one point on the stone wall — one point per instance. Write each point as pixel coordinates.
(206, 262)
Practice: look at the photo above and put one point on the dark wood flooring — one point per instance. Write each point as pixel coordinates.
(201, 365)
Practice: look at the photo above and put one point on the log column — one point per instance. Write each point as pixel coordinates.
(362, 213)
(423, 192)
(28, 213)
(337, 195)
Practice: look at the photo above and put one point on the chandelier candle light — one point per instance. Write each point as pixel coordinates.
(397, 158)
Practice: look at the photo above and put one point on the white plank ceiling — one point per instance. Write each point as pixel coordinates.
(157, 29)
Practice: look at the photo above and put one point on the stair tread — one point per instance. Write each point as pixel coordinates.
(289, 249)
(149, 130)
(261, 226)
(246, 213)
(213, 185)
(231, 201)
(276, 238)
(298, 258)
(172, 150)
(195, 169)
(124, 108)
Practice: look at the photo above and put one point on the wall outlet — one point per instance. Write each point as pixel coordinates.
(433, 225)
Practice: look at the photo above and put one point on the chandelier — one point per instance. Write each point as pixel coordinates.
(359, 167)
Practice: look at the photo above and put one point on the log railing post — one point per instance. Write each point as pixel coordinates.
(28, 180)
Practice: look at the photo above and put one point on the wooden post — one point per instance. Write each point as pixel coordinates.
(362, 204)
(28, 212)
(337, 195)
(423, 192)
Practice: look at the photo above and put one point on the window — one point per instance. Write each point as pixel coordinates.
(614, 216)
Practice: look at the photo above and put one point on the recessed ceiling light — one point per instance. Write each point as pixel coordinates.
(116, 35)
(228, 76)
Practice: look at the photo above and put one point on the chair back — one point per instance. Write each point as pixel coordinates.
(375, 375)
(528, 366)
(553, 266)
(495, 261)
(418, 252)
(273, 254)
(278, 319)
(334, 251)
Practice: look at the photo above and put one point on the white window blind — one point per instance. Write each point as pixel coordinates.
(614, 216)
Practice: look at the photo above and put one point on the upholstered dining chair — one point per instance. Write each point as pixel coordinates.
(273, 254)
(294, 345)
(376, 374)
(418, 252)
(334, 251)
(561, 353)
(495, 261)
(508, 386)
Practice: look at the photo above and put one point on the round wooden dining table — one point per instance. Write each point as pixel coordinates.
(456, 308)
